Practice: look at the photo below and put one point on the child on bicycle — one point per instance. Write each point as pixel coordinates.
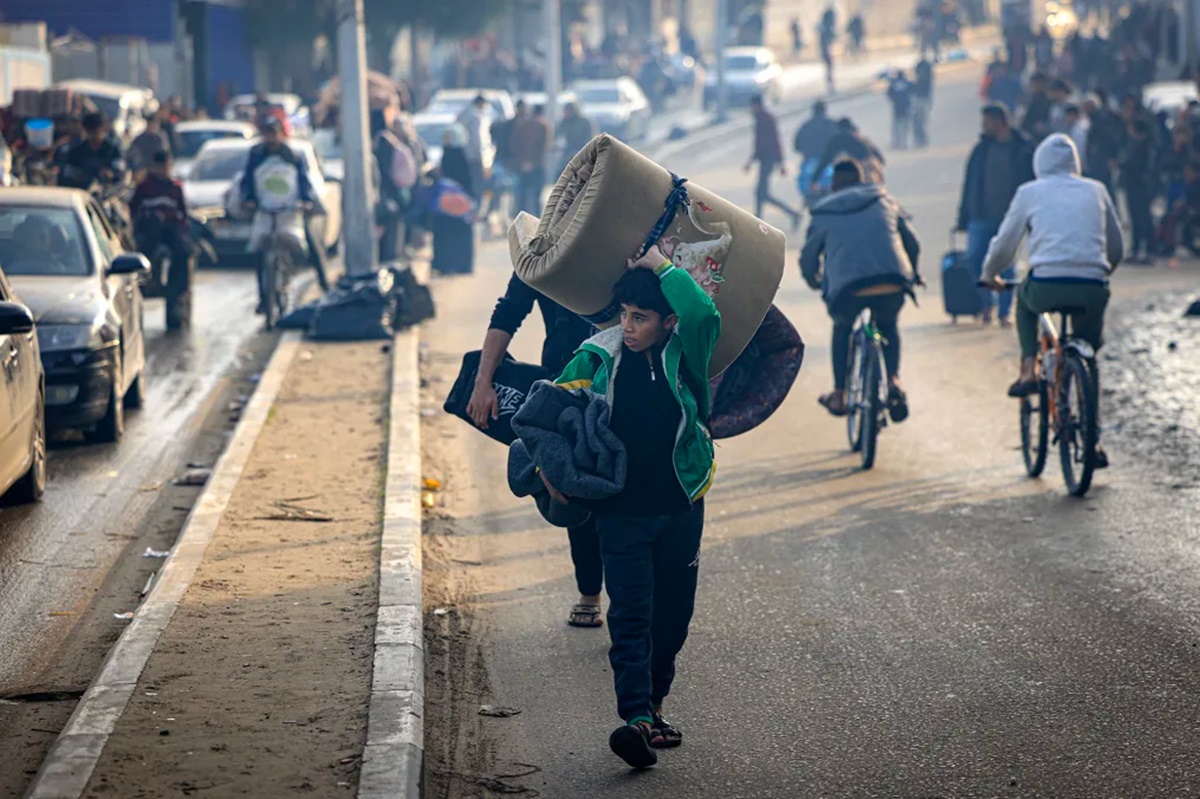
(653, 369)
(861, 253)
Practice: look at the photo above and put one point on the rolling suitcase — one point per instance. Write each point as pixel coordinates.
(960, 294)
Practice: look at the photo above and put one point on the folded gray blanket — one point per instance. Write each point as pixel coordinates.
(565, 435)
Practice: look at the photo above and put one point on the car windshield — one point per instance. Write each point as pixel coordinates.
(328, 144)
(36, 240)
(431, 132)
(599, 95)
(219, 164)
(189, 142)
(109, 106)
(741, 63)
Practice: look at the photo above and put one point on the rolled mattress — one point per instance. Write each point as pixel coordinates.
(601, 210)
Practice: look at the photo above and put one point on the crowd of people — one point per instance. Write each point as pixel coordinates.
(1090, 88)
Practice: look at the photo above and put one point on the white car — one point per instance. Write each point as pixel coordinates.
(749, 71)
(191, 136)
(455, 101)
(328, 143)
(1170, 96)
(615, 105)
(123, 105)
(220, 164)
(242, 107)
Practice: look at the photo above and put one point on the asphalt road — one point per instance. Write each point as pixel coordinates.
(939, 627)
(55, 554)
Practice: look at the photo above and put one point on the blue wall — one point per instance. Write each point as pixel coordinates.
(143, 19)
(229, 59)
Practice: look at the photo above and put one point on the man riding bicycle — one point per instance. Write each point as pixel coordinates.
(861, 253)
(1075, 243)
(97, 158)
(275, 183)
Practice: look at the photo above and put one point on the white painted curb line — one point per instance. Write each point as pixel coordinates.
(394, 756)
(68, 766)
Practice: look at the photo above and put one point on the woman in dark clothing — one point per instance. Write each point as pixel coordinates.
(454, 237)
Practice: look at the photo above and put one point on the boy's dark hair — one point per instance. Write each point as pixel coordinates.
(161, 157)
(93, 121)
(846, 173)
(641, 287)
(996, 111)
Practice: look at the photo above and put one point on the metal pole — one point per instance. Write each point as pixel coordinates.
(358, 229)
(552, 11)
(722, 31)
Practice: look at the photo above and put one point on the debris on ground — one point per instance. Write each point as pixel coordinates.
(194, 477)
(149, 584)
(156, 553)
(441, 611)
(126, 616)
(289, 511)
(499, 711)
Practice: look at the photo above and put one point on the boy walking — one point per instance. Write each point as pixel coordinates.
(653, 370)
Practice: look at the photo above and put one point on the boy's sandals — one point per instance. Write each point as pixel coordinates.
(631, 743)
(834, 402)
(662, 734)
(585, 616)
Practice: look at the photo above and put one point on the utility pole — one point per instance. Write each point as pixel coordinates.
(358, 228)
(552, 11)
(722, 31)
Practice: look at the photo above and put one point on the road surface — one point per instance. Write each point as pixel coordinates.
(940, 626)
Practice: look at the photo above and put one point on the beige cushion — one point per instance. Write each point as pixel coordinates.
(604, 205)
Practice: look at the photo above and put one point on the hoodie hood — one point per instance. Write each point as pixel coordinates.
(850, 200)
(1056, 156)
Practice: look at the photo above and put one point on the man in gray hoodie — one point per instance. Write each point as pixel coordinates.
(861, 253)
(1074, 245)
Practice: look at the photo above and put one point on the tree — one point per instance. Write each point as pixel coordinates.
(445, 18)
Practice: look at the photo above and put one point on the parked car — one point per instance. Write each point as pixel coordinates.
(123, 105)
(191, 136)
(1170, 96)
(298, 114)
(455, 101)
(615, 105)
(219, 165)
(22, 402)
(66, 263)
(328, 144)
(748, 71)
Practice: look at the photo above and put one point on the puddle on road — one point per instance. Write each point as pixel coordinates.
(1150, 385)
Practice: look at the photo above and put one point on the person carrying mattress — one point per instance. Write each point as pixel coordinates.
(653, 370)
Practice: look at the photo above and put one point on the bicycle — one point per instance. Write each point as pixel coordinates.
(866, 394)
(276, 267)
(1067, 402)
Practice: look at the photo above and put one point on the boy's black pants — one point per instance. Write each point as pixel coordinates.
(650, 568)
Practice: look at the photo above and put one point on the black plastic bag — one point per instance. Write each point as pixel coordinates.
(414, 301)
(512, 382)
(357, 310)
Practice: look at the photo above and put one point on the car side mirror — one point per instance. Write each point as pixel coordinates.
(15, 319)
(130, 263)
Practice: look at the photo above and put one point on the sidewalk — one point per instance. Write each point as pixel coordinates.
(260, 682)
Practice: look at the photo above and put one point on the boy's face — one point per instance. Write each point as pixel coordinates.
(642, 328)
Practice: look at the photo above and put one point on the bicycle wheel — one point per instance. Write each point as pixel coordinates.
(283, 271)
(1035, 431)
(1078, 412)
(270, 288)
(854, 391)
(871, 405)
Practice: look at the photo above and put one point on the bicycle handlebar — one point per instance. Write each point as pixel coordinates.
(999, 285)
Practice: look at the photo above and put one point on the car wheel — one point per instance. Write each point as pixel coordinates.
(112, 426)
(135, 397)
(32, 486)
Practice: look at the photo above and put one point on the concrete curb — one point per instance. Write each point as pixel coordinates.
(393, 759)
(65, 772)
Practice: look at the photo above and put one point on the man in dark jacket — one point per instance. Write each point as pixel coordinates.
(768, 152)
(576, 131)
(849, 143)
(999, 164)
(900, 95)
(1137, 181)
(97, 157)
(922, 102)
(1036, 122)
(1106, 132)
(564, 333)
(811, 140)
(861, 253)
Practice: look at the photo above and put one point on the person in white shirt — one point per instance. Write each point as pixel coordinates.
(476, 119)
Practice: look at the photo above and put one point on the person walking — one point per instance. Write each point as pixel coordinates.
(768, 153)
(576, 131)
(1105, 134)
(922, 102)
(476, 120)
(900, 95)
(797, 37)
(1137, 181)
(827, 32)
(999, 164)
(811, 140)
(529, 144)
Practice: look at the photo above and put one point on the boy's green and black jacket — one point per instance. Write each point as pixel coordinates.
(685, 361)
